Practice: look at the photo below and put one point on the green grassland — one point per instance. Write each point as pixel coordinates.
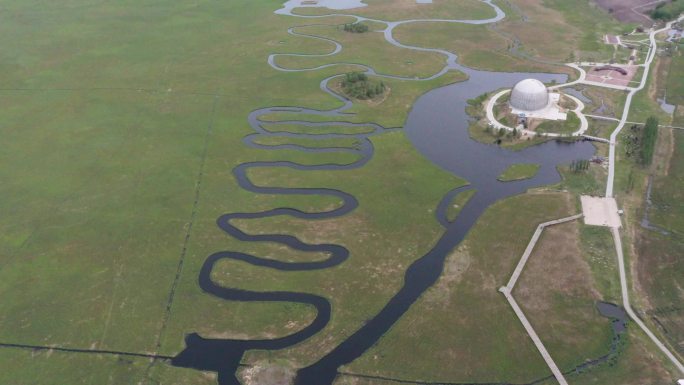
(308, 142)
(588, 182)
(121, 124)
(655, 256)
(369, 49)
(541, 26)
(392, 10)
(117, 115)
(604, 101)
(675, 87)
(481, 332)
(660, 264)
(484, 336)
(457, 204)
(477, 46)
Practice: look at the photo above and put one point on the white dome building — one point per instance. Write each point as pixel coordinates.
(529, 95)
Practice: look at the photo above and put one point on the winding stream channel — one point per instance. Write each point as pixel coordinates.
(438, 127)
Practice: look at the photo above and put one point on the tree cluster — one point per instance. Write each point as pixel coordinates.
(640, 142)
(355, 27)
(668, 10)
(357, 85)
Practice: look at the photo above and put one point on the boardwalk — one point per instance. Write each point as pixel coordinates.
(508, 290)
(535, 338)
(596, 138)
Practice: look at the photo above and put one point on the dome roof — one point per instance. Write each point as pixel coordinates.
(529, 95)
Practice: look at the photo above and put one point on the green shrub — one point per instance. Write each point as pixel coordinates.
(356, 27)
(358, 86)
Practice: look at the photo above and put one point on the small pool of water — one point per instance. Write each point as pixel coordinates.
(668, 108)
(577, 93)
(614, 312)
(331, 4)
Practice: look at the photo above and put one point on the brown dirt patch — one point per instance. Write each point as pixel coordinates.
(556, 267)
(612, 77)
(455, 266)
(267, 374)
(629, 11)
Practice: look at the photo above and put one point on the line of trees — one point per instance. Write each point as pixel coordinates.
(579, 165)
(357, 85)
(355, 27)
(648, 140)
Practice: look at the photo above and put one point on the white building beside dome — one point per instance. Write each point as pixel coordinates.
(530, 95)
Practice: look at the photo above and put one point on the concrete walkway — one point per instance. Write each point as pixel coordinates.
(508, 293)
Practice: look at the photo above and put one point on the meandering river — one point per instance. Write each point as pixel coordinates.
(437, 125)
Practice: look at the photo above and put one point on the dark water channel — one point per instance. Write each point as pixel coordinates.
(438, 127)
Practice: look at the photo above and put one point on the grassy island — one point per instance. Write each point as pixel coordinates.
(358, 86)
(519, 171)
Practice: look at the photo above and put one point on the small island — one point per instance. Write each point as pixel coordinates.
(357, 85)
(518, 172)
